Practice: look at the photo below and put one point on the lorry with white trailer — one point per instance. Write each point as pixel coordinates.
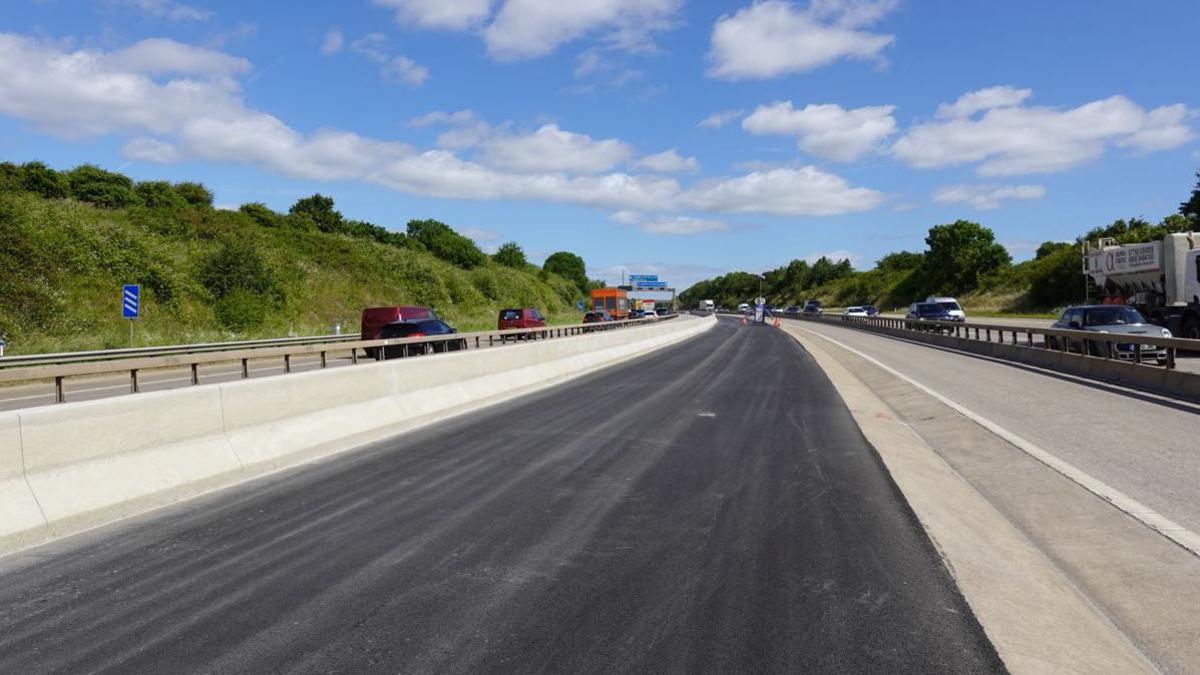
(1159, 278)
(708, 306)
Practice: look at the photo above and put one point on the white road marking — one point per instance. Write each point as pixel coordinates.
(1151, 518)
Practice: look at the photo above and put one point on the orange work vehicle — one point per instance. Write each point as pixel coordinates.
(613, 300)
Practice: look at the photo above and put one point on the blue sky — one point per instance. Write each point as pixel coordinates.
(685, 138)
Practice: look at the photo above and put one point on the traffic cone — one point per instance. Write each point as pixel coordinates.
(743, 321)
(777, 322)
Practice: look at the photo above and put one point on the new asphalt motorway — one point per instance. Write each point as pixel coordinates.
(710, 508)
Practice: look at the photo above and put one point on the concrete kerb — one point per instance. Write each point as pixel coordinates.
(1033, 614)
(70, 467)
(1153, 379)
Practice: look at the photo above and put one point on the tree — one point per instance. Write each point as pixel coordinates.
(102, 188)
(1191, 208)
(195, 194)
(959, 254)
(442, 241)
(158, 194)
(320, 209)
(261, 214)
(568, 266)
(39, 178)
(239, 280)
(510, 255)
(899, 261)
(11, 177)
(1049, 248)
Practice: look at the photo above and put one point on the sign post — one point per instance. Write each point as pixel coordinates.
(131, 305)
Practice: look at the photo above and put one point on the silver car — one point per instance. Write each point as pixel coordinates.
(1115, 319)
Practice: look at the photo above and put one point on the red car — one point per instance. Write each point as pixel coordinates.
(375, 318)
(521, 318)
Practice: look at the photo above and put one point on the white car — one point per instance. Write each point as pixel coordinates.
(855, 311)
(651, 315)
(951, 305)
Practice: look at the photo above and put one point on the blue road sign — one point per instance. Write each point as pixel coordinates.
(634, 278)
(579, 305)
(131, 295)
(649, 284)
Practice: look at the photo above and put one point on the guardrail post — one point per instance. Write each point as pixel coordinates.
(1137, 353)
(245, 368)
(989, 334)
(1170, 358)
(491, 341)
(60, 393)
(476, 342)
(354, 356)
(322, 359)
(133, 381)
(287, 363)
(195, 373)
(1029, 337)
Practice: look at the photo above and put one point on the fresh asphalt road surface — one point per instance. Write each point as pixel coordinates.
(1140, 444)
(712, 508)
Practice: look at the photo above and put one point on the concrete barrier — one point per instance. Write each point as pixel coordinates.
(70, 467)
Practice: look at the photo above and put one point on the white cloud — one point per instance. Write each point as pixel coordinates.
(668, 161)
(986, 197)
(200, 114)
(775, 37)
(834, 256)
(333, 42)
(806, 191)
(404, 70)
(827, 131)
(439, 14)
(552, 149)
(392, 68)
(481, 235)
(680, 225)
(719, 119)
(150, 150)
(984, 99)
(166, 9)
(1014, 140)
(627, 217)
(157, 56)
(524, 29)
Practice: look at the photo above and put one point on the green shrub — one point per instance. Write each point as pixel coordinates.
(101, 188)
(236, 266)
(510, 255)
(445, 243)
(158, 194)
(41, 179)
(262, 214)
(195, 194)
(242, 310)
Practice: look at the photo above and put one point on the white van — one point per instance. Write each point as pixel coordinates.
(708, 306)
(951, 305)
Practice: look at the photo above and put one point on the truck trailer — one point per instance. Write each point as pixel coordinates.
(1159, 278)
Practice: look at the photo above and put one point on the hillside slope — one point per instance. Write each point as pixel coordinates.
(211, 275)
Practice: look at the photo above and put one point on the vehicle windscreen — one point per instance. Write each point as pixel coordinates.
(854, 310)
(398, 330)
(930, 308)
(950, 306)
(1112, 316)
(510, 314)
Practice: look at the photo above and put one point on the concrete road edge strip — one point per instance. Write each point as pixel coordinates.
(1036, 618)
(70, 468)
(1154, 520)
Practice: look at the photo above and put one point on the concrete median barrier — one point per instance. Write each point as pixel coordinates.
(70, 467)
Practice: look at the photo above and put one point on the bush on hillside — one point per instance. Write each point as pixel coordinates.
(91, 184)
(440, 240)
(510, 255)
(960, 253)
(568, 266)
(195, 194)
(157, 194)
(38, 178)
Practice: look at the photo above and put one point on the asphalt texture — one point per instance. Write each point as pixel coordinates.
(713, 508)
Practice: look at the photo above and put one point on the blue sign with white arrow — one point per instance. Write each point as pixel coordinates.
(131, 301)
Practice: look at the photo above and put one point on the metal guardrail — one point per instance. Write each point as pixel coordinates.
(1086, 342)
(378, 349)
(112, 354)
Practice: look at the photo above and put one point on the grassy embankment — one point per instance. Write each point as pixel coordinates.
(62, 264)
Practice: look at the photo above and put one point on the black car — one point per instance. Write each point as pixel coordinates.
(413, 329)
(871, 310)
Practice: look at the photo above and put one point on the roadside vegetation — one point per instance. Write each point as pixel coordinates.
(961, 259)
(70, 239)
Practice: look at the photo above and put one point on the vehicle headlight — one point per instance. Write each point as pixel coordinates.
(1166, 333)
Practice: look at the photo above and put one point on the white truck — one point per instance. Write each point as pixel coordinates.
(1160, 278)
(707, 306)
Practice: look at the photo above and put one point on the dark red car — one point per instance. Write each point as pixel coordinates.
(521, 318)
